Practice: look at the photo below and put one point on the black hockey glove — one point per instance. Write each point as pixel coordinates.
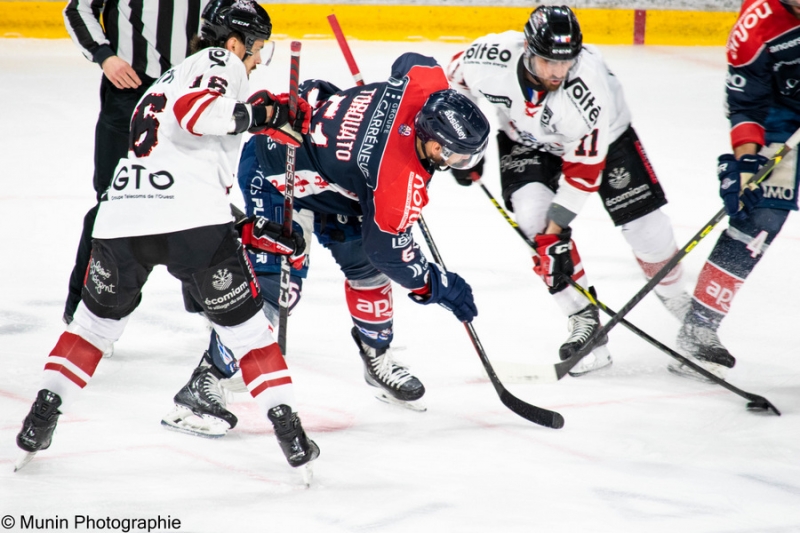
(278, 126)
(265, 235)
(467, 176)
(732, 173)
(449, 290)
(554, 258)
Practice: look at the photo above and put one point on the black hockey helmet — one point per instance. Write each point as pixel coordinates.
(456, 123)
(553, 32)
(221, 18)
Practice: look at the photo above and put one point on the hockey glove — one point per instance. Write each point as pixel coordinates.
(449, 290)
(467, 176)
(731, 173)
(278, 126)
(554, 259)
(267, 236)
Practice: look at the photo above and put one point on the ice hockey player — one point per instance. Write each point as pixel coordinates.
(763, 106)
(169, 205)
(565, 132)
(361, 183)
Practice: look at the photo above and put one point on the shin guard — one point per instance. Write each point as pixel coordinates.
(372, 312)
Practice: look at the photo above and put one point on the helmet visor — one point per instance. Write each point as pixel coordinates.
(546, 68)
(463, 161)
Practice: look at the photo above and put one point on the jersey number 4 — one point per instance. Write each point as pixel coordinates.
(592, 148)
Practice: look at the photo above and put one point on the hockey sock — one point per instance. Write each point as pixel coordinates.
(267, 377)
(723, 274)
(70, 366)
(372, 312)
(221, 357)
(670, 285)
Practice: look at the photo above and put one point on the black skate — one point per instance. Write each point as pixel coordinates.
(200, 405)
(38, 427)
(582, 326)
(397, 384)
(701, 342)
(294, 442)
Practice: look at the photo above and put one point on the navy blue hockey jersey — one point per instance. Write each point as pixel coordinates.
(360, 158)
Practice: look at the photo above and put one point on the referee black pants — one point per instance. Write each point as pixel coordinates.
(110, 145)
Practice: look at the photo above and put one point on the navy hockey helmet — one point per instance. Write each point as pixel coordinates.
(553, 32)
(221, 18)
(456, 123)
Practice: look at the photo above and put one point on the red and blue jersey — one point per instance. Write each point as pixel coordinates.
(763, 84)
(360, 158)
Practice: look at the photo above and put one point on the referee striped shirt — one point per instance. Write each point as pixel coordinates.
(151, 35)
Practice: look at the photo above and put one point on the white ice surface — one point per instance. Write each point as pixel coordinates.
(642, 450)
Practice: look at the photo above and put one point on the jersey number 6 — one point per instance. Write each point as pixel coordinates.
(144, 124)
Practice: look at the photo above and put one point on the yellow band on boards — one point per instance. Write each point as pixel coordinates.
(44, 20)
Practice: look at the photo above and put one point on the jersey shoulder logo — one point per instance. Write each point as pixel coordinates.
(495, 99)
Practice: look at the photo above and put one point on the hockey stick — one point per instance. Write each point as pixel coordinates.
(537, 415)
(755, 402)
(563, 367)
(288, 200)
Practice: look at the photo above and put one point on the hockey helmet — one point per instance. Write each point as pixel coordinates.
(221, 18)
(457, 124)
(553, 32)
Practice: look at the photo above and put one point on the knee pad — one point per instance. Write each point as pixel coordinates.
(253, 333)
(100, 332)
(651, 237)
(531, 203)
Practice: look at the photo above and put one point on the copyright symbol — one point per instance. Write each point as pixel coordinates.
(7, 521)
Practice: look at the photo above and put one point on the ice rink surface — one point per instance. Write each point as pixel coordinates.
(642, 450)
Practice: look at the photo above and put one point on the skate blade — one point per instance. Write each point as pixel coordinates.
(598, 359)
(417, 405)
(185, 421)
(509, 372)
(23, 459)
(307, 472)
(685, 371)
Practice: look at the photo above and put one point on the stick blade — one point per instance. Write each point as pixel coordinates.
(759, 403)
(537, 415)
(510, 372)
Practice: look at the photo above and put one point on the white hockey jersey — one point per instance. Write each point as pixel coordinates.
(576, 122)
(182, 163)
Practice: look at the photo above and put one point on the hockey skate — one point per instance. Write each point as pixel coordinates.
(582, 326)
(200, 407)
(678, 305)
(395, 384)
(701, 343)
(297, 447)
(38, 427)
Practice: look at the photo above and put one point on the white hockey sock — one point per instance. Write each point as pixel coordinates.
(267, 377)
